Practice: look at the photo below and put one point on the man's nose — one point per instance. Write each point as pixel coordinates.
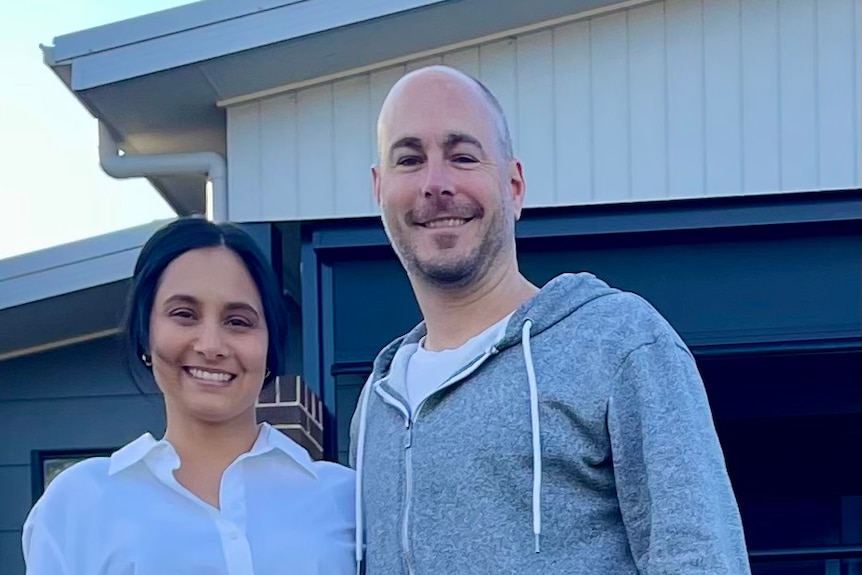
(438, 180)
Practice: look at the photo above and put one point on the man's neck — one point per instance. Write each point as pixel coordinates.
(454, 316)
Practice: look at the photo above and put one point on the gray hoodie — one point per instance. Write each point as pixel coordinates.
(582, 442)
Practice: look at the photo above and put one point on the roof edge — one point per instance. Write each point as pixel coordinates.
(156, 24)
(62, 269)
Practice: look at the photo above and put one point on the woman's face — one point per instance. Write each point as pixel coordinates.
(208, 337)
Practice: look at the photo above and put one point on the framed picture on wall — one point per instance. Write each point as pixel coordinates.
(46, 465)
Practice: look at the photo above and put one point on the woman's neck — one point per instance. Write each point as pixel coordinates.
(202, 444)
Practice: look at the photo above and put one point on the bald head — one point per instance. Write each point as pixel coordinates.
(440, 79)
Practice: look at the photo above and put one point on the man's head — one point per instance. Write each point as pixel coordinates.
(447, 183)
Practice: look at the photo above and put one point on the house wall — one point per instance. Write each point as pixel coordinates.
(76, 397)
(673, 99)
(764, 290)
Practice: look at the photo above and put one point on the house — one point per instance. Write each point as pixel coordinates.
(702, 153)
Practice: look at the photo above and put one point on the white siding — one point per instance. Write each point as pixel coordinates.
(673, 99)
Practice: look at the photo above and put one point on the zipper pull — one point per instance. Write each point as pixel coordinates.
(408, 441)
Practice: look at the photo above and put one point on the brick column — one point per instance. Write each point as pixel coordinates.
(288, 405)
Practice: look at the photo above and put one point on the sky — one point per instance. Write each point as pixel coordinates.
(52, 190)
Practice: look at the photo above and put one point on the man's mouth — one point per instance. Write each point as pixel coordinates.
(446, 223)
(209, 376)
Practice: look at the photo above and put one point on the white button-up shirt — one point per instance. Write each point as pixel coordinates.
(281, 513)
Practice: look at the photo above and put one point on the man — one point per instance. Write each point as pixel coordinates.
(519, 430)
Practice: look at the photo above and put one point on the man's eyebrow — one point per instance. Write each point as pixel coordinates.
(456, 138)
(411, 142)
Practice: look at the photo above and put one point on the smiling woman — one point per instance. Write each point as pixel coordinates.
(205, 321)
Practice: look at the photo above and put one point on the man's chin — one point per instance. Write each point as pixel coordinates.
(451, 274)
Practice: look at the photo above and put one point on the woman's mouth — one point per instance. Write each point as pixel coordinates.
(210, 377)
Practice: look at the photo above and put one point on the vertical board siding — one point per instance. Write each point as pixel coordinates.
(353, 146)
(573, 115)
(647, 105)
(316, 151)
(244, 162)
(610, 96)
(838, 98)
(685, 97)
(535, 85)
(722, 57)
(761, 136)
(669, 99)
(798, 85)
(278, 122)
(465, 60)
(498, 70)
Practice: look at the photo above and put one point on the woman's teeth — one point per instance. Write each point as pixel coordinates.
(210, 375)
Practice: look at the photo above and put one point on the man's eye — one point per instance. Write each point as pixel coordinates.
(464, 159)
(409, 161)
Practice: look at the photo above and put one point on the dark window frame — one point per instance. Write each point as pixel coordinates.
(38, 458)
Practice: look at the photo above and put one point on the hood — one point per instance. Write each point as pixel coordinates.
(558, 299)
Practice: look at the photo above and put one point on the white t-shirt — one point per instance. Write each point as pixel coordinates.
(428, 370)
(280, 512)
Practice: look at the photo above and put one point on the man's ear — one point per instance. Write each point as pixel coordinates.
(375, 183)
(517, 186)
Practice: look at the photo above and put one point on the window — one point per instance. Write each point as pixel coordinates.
(46, 465)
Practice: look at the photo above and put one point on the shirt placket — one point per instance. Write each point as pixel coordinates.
(231, 522)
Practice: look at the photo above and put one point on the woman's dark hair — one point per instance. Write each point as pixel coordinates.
(172, 241)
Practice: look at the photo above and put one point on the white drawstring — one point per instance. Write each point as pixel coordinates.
(360, 456)
(537, 452)
(537, 438)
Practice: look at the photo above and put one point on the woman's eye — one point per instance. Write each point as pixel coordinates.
(182, 314)
(239, 322)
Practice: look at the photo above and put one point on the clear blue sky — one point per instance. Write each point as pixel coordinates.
(52, 190)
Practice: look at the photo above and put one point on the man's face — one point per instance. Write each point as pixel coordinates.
(448, 196)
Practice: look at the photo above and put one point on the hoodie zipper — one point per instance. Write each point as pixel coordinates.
(408, 446)
(408, 464)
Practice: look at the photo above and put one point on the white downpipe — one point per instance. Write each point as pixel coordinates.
(210, 164)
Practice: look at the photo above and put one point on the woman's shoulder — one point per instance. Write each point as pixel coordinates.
(71, 495)
(79, 482)
(330, 471)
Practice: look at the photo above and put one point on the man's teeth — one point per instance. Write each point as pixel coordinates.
(447, 223)
(209, 375)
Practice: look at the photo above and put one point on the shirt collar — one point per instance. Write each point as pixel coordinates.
(133, 452)
(268, 439)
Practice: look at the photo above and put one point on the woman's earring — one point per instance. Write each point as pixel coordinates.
(148, 361)
(267, 374)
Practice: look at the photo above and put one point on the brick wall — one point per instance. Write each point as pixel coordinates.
(287, 404)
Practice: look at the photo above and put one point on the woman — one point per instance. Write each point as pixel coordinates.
(218, 494)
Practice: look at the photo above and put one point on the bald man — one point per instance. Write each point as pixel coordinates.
(516, 429)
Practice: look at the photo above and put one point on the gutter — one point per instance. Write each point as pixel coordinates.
(209, 164)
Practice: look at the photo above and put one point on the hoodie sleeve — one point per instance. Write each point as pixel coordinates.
(675, 495)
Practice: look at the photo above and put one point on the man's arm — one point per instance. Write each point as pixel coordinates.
(675, 495)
